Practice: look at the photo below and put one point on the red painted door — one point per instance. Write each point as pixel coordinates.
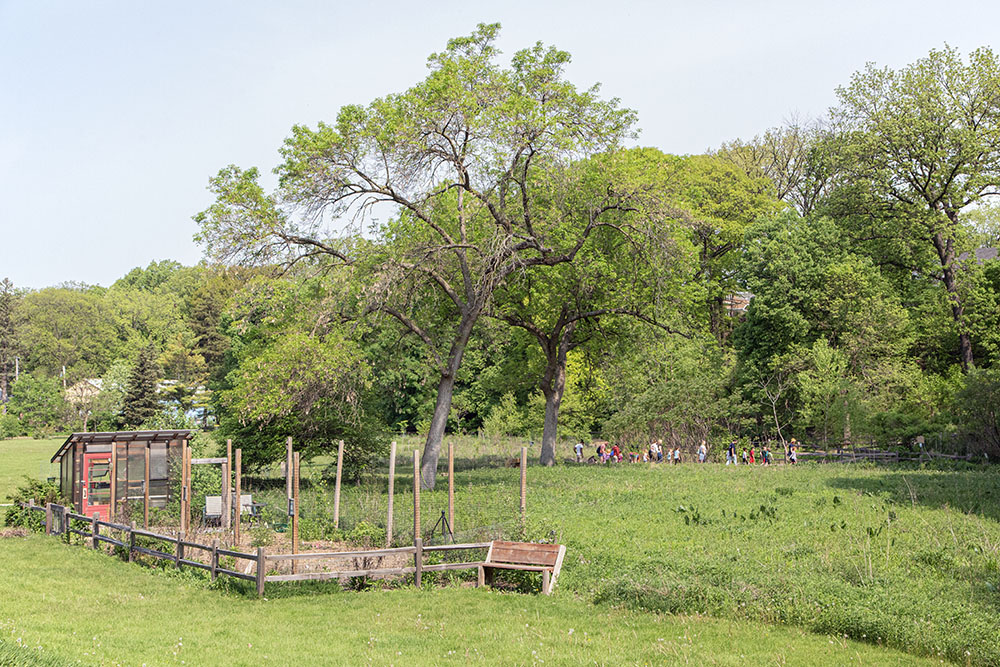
(97, 485)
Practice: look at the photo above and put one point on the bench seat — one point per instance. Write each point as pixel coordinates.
(526, 556)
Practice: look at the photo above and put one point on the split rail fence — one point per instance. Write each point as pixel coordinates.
(58, 521)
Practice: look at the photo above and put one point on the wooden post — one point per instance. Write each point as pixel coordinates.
(227, 492)
(215, 559)
(288, 468)
(418, 561)
(131, 540)
(113, 512)
(416, 495)
(336, 488)
(65, 524)
(187, 502)
(295, 509)
(183, 480)
(145, 486)
(261, 570)
(239, 490)
(48, 518)
(524, 485)
(451, 490)
(392, 483)
(94, 542)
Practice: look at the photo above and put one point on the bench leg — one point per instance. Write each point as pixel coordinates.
(481, 578)
(488, 572)
(546, 588)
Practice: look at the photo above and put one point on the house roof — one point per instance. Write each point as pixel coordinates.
(107, 437)
(982, 254)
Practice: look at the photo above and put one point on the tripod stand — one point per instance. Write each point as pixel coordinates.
(446, 530)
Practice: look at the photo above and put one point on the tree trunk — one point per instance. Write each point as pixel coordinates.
(946, 253)
(553, 386)
(446, 388)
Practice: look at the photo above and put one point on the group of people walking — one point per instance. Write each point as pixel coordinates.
(655, 453)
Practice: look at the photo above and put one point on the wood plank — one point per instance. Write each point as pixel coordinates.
(515, 556)
(342, 554)
(154, 553)
(195, 563)
(518, 566)
(320, 576)
(458, 547)
(221, 459)
(238, 575)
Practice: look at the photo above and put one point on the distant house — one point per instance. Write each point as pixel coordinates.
(736, 303)
(981, 254)
(84, 391)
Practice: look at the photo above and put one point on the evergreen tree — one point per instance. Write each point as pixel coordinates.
(140, 402)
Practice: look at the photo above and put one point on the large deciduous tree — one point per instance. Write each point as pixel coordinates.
(460, 156)
(923, 145)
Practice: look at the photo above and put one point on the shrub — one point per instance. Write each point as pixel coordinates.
(33, 489)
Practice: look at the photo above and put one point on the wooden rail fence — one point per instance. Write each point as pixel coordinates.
(58, 521)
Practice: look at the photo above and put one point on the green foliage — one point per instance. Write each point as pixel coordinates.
(32, 489)
(139, 404)
(38, 403)
(978, 407)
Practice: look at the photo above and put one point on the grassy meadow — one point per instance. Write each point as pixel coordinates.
(762, 564)
(103, 611)
(26, 456)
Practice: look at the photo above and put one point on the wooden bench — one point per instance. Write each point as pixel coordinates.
(527, 556)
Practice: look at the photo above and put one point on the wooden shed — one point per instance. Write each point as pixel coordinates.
(101, 470)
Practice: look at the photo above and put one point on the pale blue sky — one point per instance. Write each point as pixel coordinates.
(113, 115)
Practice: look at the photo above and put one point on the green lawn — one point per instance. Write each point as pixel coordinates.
(26, 456)
(80, 605)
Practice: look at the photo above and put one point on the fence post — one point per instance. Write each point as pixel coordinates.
(336, 488)
(524, 486)
(451, 490)
(239, 490)
(64, 523)
(416, 495)
(145, 486)
(418, 561)
(94, 529)
(48, 518)
(215, 558)
(113, 512)
(295, 510)
(131, 540)
(260, 571)
(227, 491)
(392, 483)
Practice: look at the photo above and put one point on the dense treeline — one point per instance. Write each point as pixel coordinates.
(833, 280)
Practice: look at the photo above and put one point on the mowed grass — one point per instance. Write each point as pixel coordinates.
(79, 605)
(26, 456)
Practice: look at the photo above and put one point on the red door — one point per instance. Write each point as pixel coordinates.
(97, 485)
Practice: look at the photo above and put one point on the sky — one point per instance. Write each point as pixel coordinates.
(113, 115)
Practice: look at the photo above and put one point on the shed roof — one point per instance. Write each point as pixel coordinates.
(107, 437)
